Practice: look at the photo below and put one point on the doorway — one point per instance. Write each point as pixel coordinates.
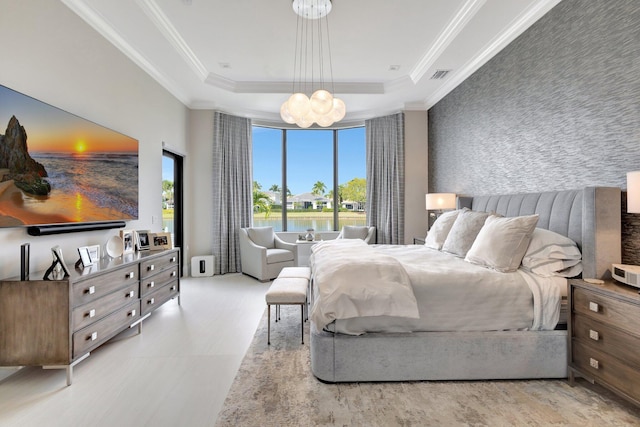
(172, 200)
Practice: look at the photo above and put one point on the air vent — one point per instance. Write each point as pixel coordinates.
(440, 74)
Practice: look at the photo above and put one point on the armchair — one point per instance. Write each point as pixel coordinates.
(366, 233)
(263, 254)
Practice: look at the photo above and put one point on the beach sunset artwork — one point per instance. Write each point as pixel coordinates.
(58, 168)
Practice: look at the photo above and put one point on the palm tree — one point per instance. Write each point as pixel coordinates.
(261, 200)
(318, 188)
(275, 188)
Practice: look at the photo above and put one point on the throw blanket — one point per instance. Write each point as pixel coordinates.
(353, 280)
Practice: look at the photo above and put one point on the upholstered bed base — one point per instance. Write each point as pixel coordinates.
(590, 216)
(438, 356)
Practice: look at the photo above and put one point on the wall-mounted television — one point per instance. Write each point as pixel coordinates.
(57, 168)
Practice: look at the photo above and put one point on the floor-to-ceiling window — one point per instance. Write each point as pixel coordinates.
(301, 176)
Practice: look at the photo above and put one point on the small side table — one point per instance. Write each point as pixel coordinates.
(418, 240)
(304, 251)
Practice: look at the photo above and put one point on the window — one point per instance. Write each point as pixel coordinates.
(172, 179)
(318, 169)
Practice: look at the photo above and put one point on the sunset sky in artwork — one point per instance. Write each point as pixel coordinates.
(50, 129)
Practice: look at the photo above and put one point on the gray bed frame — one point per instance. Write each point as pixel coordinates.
(591, 217)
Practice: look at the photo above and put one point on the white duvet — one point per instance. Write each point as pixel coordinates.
(451, 294)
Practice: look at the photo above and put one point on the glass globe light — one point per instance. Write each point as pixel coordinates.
(298, 105)
(339, 109)
(325, 120)
(321, 102)
(306, 120)
(285, 115)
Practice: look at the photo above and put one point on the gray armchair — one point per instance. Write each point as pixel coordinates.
(366, 233)
(263, 254)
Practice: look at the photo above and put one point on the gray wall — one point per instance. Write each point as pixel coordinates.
(559, 108)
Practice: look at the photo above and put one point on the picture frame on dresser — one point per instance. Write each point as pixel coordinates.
(159, 241)
(128, 241)
(85, 257)
(142, 240)
(56, 252)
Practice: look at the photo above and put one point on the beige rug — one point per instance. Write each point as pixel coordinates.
(275, 387)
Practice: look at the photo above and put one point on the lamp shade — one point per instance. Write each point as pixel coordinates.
(440, 201)
(633, 192)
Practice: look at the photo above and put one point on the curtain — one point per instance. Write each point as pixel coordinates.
(232, 188)
(385, 177)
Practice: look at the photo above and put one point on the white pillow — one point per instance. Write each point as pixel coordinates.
(440, 229)
(464, 231)
(502, 242)
(552, 254)
(355, 232)
(262, 236)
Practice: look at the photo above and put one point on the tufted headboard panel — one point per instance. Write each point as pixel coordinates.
(591, 217)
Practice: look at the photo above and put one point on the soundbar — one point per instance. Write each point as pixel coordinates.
(43, 230)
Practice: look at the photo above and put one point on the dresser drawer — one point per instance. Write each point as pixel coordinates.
(601, 366)
(609, 311)
(85, 291)
(608, 340)
(86, 314)
(88, 338)
(159, 263)
(152, 283)
(155, 299)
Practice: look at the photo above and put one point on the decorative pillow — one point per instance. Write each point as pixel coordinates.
(355, 232)
(552, 254)
(502, 242)
(440, 229)
(262, 236)
(464, 231)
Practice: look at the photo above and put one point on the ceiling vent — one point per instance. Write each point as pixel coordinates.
(440, 74)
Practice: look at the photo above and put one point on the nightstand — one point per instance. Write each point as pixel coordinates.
(418, 240)
(604, 336)
(304, 251)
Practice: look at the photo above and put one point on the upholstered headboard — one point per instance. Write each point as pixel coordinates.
(591, 217)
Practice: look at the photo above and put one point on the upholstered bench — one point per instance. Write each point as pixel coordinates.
(289, 288)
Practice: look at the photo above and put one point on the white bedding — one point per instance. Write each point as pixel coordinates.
(451, 294)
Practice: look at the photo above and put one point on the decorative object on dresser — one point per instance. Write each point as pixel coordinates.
(58, 262)
(114, 247)
(24, 261)
(128, 241)
(57, 323)
(160, 241)
(85, 257)
(142, 240)
(604, 336)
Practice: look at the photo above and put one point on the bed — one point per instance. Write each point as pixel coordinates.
(590, 217)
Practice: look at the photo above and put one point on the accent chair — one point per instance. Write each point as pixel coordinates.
(263, 254)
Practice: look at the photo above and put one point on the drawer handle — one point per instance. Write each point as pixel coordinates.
(133, 313)
(151, 267)
(173, 259)
(594, 335)
(130, 294)
(91, 313)
(173, 274)
(594, 307)
(93, 337)
(594, 363)
(151, 301)
(173, 288)
(91, 290)
(130, 275)
(151, 284)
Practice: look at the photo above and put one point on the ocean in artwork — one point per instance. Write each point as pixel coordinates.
(108, 181)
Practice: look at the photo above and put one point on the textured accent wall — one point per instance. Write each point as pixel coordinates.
(559, 108)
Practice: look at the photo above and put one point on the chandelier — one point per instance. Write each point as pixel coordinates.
(321, 107)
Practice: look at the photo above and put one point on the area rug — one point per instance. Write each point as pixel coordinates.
(275, 387)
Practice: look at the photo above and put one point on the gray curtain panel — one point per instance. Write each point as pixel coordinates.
(385, 177)
(232, 188)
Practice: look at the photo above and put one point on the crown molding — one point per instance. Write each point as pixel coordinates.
(517, 27)
(451, 31)
(99, 23)
(162, 22)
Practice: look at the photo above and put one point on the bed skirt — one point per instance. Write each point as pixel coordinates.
(438, 355)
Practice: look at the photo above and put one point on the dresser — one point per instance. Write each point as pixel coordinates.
(57, 323)
(604, 336)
